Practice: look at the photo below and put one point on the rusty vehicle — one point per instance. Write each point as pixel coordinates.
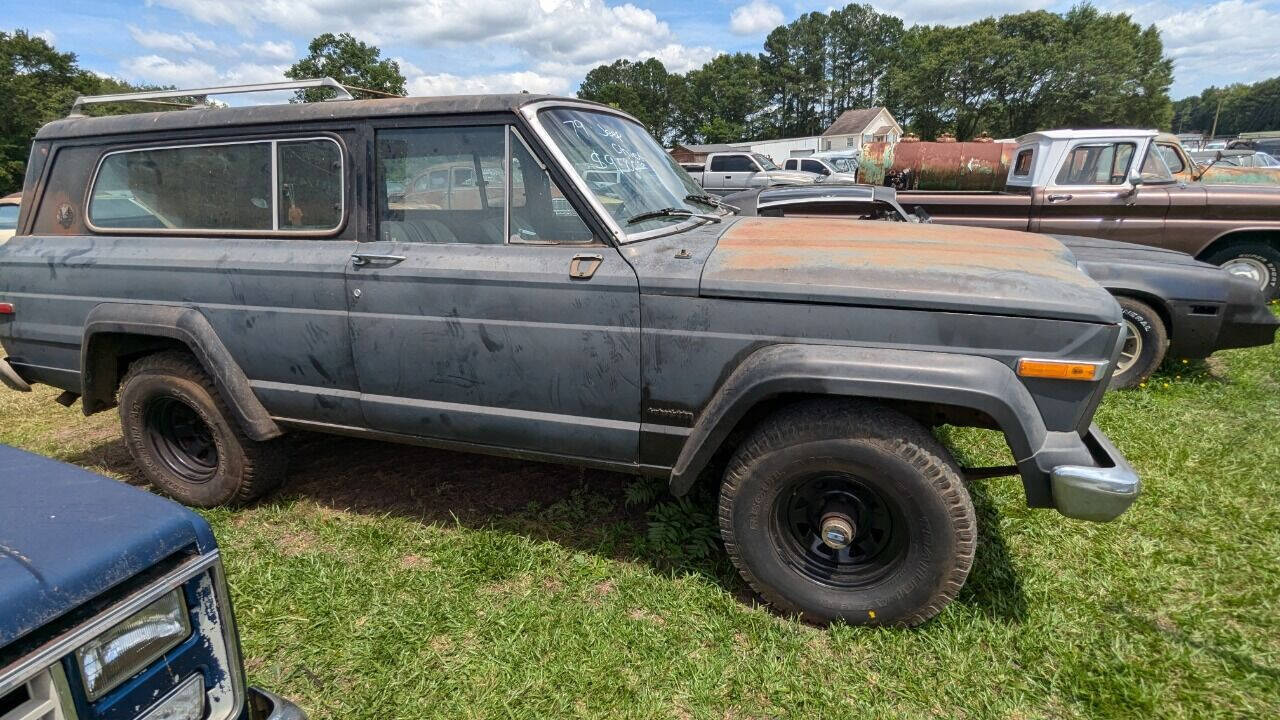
(1116, 185)
(639, 326)
(9, 215)
(1213, 167)
(1173, 305)
(937, 165)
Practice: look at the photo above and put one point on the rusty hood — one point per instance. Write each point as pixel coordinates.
(927, 267)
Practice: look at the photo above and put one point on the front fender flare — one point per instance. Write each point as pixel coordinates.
(188, 326)
(966, 381)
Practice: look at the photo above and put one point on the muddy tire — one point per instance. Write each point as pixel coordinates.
(842, 510)
(1145, 344)
(184, 438)
(1257, 261)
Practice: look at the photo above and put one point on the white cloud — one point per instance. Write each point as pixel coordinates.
(268, 50)
(681, 58)
(187, 42)
(757, 16)
(958, 12)
(48, 36)
(553, 37)
(447, 84)
(1216, 44)
(195, 73)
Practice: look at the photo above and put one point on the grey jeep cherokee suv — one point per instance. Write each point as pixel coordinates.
(535, 277)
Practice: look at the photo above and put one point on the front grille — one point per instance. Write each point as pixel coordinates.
(38, 699)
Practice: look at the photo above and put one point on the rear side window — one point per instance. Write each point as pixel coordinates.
(1022, 164)
(8, 217)
(221, 188)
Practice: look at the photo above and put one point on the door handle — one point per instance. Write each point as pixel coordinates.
(584, 265)
(362, 259)
(1057, 198)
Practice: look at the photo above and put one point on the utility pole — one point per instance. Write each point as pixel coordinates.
(1214, 132)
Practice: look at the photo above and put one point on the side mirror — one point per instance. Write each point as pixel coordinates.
(923, 215)
(1135, 181)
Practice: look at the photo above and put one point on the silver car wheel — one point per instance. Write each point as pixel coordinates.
(1132, 349)
(1250, 268)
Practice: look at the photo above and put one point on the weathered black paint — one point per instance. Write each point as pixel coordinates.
(496, 348)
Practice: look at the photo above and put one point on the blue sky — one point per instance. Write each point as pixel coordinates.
(450, 46)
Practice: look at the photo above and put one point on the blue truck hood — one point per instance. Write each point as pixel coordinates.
(68, 535)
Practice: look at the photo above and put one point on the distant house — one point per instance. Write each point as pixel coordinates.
(698, 153)
(855, 128)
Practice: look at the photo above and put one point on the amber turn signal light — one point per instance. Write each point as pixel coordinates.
(1060, 369)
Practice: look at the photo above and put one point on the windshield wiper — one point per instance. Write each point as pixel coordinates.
(712, 201)
(670, 212)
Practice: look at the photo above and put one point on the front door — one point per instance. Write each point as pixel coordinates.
(1091, 196)
(485, 311)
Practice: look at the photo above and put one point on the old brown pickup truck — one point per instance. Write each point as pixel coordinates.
(1117, 185)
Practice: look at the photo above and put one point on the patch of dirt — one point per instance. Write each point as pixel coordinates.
(296, 542)
(519, 585)
(449, 488)
(552, 585)
(646, 616)
(414, 562)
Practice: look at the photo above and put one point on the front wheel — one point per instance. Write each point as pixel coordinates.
(1258, 262)
(848, 511)
(1145, 343)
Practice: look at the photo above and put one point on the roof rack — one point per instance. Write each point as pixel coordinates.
(150, 96)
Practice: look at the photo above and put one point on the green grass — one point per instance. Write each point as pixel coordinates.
(393, 582)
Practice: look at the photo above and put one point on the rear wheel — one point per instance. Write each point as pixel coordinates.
(1145, 344)
(1258, 262)
(848, 511)
(184, 438)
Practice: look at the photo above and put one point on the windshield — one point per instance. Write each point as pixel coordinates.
(1265, 160)
(625, 168)
(765, 162)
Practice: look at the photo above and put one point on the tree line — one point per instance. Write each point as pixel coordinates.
(1230, 110)
(1003, 76)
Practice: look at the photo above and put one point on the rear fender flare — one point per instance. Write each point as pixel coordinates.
(965, 381)
(185, 325)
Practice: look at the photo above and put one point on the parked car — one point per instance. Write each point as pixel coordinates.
(1115, 185)
(640, 327)
(1246, 158)
(113, 604)
(1270, 145)
(1173, 305)
(9, 215)
(1212, 167)
(694, 169)
(832, 170)
(730, 172)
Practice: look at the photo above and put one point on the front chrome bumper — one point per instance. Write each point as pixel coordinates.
(1099, 492)
(264, 705)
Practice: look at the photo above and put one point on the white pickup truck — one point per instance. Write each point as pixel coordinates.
(730, 172)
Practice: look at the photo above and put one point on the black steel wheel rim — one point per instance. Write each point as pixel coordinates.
(182, 440)
(878, 545)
